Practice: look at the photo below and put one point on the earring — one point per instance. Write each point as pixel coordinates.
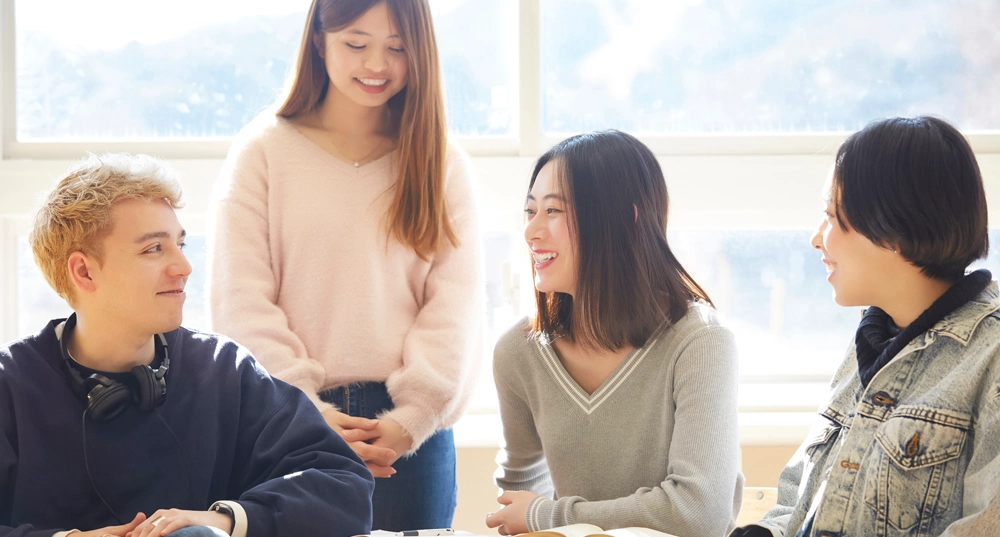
(893, 250)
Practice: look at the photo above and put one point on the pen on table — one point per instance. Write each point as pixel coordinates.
(426, 533)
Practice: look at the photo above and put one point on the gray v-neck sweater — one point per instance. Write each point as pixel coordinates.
(655, 446)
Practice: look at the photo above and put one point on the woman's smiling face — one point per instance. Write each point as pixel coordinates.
(547, 232)
(366, 61)
(854, 264)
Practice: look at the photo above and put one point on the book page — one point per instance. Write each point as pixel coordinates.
(633, 532)
(573, 530)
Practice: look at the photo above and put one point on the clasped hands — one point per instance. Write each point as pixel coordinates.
(162, 522)
(378, 442)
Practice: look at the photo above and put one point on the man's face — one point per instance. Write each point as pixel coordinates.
(140, 282)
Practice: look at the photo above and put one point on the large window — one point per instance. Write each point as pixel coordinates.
(120, 69)
(709, 66)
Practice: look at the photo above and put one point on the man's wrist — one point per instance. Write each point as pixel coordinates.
(237, 515)
(225, 509)
(227, 521)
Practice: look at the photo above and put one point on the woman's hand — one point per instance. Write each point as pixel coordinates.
(340, 422)
(512, 518)
(357, 432)
(166, 521)
(389, 434)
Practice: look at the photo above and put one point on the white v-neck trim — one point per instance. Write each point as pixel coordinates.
(591, 402)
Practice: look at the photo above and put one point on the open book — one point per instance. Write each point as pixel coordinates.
(590, 530)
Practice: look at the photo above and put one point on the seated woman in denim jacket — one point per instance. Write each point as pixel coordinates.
(909, 442)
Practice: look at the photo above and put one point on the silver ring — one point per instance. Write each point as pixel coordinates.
(155, 522)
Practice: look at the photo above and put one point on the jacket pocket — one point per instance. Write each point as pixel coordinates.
(914, 464)
(820, 437)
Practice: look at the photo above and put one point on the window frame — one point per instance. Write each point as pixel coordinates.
(529, 141)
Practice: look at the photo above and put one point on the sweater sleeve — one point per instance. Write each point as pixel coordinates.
(442, 350)
(701, 493)
(242, 287)
(294, 475)
(26, 530)
(521, 463)
(8, 470)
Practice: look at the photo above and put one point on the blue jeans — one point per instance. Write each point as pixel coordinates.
(423, 491)
(198, 531)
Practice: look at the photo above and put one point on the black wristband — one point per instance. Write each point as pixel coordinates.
(219, 507)
(751, 531)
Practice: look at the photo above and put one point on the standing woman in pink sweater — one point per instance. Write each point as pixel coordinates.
(345, 252)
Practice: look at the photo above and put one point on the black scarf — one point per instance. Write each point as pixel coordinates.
(876, 341)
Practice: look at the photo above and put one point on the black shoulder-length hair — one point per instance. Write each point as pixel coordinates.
(913, 184)
(628, 280)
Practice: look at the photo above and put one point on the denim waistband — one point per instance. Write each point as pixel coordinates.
(362, 399)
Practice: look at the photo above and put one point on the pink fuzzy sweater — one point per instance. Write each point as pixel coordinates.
(302, 273)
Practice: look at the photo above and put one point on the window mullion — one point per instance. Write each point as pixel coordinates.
(529, 81)
(8, 72)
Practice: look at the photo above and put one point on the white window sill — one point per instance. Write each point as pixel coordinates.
(483, 430)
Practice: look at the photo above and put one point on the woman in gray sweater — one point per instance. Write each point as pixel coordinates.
(618, 397)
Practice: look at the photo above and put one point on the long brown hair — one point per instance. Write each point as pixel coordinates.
(628, 280)
(418, 216)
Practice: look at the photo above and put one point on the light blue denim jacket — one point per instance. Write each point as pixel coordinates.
(917, 452)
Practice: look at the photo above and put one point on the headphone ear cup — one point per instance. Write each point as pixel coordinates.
(106, 398)
(151, 390)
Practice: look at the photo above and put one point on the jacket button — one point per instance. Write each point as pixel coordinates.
(913, 446)
(883, 399)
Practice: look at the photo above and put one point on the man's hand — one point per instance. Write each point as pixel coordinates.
(357, 432)
(165, 521)
(115, 531)
(512, 518)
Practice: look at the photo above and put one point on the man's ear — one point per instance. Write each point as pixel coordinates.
(81, 271)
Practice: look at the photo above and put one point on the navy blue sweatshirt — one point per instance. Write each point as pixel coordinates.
(226, 431)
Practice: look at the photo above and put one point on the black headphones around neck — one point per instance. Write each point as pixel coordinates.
(105, 397)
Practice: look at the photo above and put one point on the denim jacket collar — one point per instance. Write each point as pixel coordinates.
(961, 323)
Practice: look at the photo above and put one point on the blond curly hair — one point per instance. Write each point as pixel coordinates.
(76, 215)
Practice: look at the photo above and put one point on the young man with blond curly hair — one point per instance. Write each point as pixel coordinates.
(117, 421)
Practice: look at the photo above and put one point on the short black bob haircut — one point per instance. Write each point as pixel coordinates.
(628, 281)
(913, 184)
